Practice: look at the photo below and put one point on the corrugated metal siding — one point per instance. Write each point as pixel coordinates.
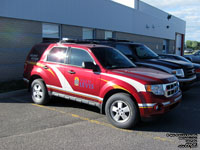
(16, 39)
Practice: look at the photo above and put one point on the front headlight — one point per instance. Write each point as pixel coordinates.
(155, 89)
(178, 72)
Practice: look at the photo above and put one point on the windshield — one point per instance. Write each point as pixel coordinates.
(144, 52)
(111, 58)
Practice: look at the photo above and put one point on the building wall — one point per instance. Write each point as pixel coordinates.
(16, 39)
(99, 14)
(99, 34)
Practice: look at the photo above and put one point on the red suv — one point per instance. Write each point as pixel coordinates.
(100, 76)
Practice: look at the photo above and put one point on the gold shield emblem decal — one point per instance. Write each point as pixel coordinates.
(76, 81)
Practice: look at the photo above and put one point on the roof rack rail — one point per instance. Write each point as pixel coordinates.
(108, 40)
(90, 41)
(68, 40)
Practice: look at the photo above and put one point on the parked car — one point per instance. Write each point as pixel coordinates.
(181, 58)
(188, 50)
(143, 56)
(195, 58)
(100, 76)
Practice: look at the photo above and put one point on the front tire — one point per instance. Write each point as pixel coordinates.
(39, 92)
(122, 111)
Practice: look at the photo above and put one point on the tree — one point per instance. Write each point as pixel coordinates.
(189, 44)
(193, 44)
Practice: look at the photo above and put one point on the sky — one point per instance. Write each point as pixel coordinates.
(188, 10)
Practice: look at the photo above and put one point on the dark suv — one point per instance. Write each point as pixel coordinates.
(143, 56)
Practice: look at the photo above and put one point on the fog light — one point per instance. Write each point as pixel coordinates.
(158, 107)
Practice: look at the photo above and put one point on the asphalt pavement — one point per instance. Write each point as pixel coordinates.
(67, 125)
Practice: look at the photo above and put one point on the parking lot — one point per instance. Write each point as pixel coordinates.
(69, 125)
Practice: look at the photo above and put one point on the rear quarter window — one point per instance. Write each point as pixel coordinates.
(57, 55)
(37, 52)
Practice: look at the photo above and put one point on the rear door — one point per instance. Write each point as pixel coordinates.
(54, 67)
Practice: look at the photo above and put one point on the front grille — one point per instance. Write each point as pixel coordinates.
(189, 72)
(171, 89)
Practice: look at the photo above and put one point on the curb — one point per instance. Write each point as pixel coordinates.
(13, 93)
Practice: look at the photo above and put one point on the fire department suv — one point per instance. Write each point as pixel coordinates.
(100, 76)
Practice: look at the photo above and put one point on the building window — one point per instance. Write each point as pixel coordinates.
(108, 34)
(88, 33)
(50, 30)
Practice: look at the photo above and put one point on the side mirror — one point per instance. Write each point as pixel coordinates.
(90, 65)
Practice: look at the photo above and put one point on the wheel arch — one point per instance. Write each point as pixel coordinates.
(115, 91)
(33, 77)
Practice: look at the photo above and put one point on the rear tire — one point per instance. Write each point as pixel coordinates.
(39, 92)
(122, 111)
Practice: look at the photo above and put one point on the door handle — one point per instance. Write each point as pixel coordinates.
(45, 67)
(71, 72)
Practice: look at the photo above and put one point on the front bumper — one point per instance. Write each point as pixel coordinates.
(186, 84)
(165, 104)
(187, 79)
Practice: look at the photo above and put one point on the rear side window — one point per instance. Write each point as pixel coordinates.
(37, 52)
(57, 55)
(79, 56)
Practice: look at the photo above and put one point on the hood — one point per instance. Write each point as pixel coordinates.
(145, 75)
(178, 62)
(196, 66)
(166, 65)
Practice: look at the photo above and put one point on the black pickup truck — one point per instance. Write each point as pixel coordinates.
(143, 56)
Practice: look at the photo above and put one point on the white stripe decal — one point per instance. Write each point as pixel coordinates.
(137, 85)
(65, 84)
(83, 94)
